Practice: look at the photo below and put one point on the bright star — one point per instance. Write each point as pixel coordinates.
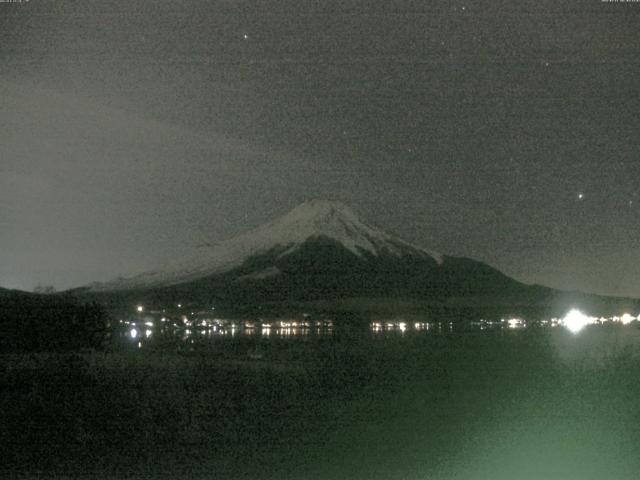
(245, 36)
(580, 196)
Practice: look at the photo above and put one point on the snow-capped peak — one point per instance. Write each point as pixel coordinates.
(312, 219)
(334, 220)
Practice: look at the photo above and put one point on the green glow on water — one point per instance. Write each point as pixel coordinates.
(524, 404)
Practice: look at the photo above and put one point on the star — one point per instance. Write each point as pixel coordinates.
(245, 36)
(580, 196)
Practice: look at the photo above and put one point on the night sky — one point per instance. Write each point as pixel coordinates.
(506, 131)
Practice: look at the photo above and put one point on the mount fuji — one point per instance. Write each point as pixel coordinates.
(321, 252)
(314, 222)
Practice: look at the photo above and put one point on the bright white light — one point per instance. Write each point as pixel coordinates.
(140, 308)
(575, 320)
(133, 333)
(147, 333)
(149, 324)
(515, 323)
(403, 326)
(626, 319)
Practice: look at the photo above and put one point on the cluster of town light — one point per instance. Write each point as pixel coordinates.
(140, 326)
(402, 326)
(574, 321)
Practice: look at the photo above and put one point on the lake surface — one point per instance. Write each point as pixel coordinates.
(366, 402)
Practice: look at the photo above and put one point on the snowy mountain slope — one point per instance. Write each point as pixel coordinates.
(321, 254)
(311, 220)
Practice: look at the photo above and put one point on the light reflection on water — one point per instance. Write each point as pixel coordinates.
(209, 331)
(206, 330)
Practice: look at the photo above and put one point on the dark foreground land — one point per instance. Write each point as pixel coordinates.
(511, 405)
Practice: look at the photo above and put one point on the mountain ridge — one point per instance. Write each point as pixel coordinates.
(311, 219)
(321, 255)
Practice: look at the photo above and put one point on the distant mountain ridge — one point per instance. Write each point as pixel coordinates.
(322, 253)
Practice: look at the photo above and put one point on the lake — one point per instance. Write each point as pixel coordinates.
(328, 401)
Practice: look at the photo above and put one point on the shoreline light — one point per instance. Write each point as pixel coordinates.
(575, 320)
(627, 318)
